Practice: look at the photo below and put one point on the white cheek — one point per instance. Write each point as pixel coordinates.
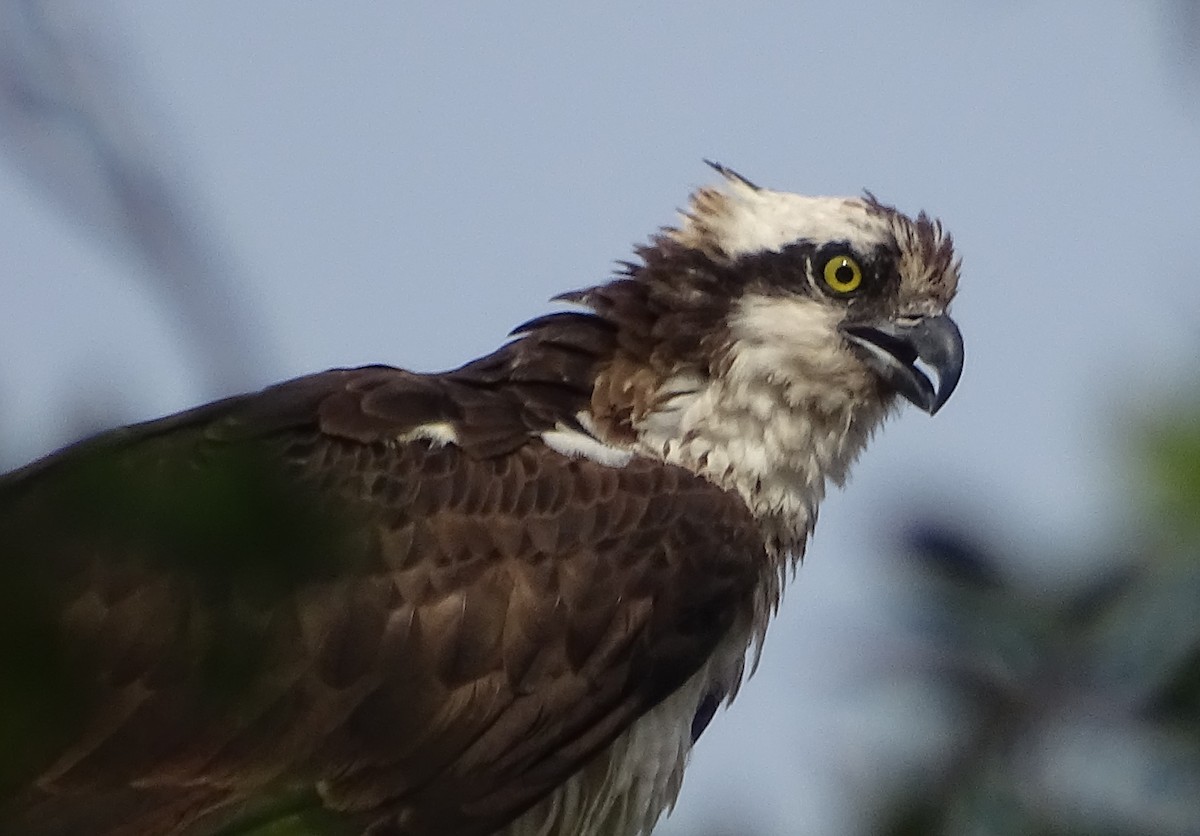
(794, 343)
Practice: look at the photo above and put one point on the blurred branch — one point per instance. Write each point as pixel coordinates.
(1182, 20)
(72, 120)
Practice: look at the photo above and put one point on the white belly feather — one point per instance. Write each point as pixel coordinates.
(628, 786)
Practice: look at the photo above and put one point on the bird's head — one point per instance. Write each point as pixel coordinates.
(851, 287)
(765, 337)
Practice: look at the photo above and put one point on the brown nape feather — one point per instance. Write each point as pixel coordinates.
(279, 596)
(670, 315)
(671, 309)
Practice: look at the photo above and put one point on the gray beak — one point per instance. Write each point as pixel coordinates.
(892, 349)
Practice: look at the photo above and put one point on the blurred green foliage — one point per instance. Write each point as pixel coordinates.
(300, 814)
(1172, 457)
(161, 562)
(1083, 707)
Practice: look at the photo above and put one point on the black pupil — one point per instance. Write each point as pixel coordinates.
(844, 273)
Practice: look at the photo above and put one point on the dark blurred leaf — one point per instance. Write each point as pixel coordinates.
(953, 555)
(1178, 698)
(913, 817)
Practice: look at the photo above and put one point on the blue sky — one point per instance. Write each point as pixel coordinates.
(404, 182)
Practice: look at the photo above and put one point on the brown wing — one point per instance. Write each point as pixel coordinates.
(272, 598)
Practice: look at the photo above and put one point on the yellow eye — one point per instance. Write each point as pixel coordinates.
(842, 274)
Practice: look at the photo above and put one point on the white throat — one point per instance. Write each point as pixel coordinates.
(789, 413)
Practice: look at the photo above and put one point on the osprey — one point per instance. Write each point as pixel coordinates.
(504, 599)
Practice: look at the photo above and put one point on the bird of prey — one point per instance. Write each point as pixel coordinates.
(503, 599)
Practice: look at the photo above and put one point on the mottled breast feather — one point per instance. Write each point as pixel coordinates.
(278, 595)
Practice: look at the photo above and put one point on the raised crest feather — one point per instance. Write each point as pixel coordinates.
(729, 174)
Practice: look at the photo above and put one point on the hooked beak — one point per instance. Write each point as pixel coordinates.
(892, 348)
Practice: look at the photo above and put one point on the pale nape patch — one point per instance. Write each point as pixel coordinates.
(575, 443)
(440, 433)
(737, 219)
